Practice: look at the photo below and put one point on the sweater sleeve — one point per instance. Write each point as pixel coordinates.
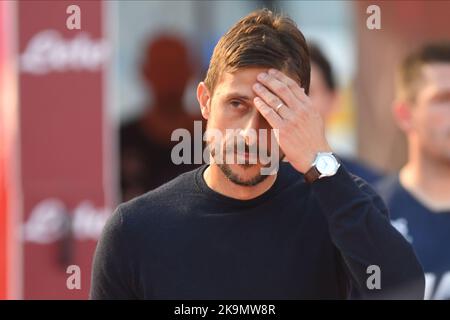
(361, 231)
(112, 272)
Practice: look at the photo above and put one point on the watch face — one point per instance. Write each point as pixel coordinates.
(326, 164)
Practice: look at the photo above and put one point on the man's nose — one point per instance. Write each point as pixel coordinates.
(255, 121)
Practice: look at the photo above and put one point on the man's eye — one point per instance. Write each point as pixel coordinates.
(235, 104)
(442, 98)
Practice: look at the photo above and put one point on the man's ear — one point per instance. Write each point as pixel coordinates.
(402, 112)
(204, 99)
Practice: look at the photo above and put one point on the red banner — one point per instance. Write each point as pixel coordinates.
(63, 55)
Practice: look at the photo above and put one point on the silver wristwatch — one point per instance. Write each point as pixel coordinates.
(325, 165)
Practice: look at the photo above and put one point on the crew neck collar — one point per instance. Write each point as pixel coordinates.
(206, 190)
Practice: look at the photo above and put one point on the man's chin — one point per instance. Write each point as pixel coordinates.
(243, 174)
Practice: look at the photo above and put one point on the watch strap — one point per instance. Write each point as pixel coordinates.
(312, 174)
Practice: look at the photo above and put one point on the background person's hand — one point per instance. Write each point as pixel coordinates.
(301, 133)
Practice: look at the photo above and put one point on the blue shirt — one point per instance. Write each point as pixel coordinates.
(370, 175)
(427, 231)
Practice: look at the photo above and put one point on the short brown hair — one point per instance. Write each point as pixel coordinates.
(262, 39)
(410, 70)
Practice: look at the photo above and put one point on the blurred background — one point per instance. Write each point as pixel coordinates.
(86, 114)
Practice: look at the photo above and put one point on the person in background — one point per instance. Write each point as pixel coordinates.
(145, 142)
(418, 197)
(325, 96)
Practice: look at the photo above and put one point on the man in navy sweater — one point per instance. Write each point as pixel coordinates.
(237, 231)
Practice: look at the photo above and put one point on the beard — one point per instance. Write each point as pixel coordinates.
(237, 179)
(244, 179)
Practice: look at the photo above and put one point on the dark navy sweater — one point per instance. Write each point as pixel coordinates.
(295, 241)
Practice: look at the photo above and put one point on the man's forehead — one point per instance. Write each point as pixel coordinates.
(434, 80)
(240, 80)
(437, 72)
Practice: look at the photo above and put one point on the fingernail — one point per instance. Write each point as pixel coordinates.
(272, 71)
(257, 86)
(262, 76)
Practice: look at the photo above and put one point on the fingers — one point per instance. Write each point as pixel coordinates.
(278, 87)
(268, 113)
(272, 101)
(295, 88)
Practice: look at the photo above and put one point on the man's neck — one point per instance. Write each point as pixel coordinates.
(217, 181)
(429, 182)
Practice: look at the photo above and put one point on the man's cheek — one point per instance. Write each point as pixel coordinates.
(437, 138)
(440, 127)
(425, 126)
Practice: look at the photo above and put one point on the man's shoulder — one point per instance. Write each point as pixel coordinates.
(397, 199)
(162, 201)
(401, 203)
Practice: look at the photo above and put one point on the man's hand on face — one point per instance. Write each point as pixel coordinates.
(286, 107)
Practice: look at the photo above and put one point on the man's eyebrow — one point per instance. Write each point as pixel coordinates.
(237, 95)
(444, 94)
